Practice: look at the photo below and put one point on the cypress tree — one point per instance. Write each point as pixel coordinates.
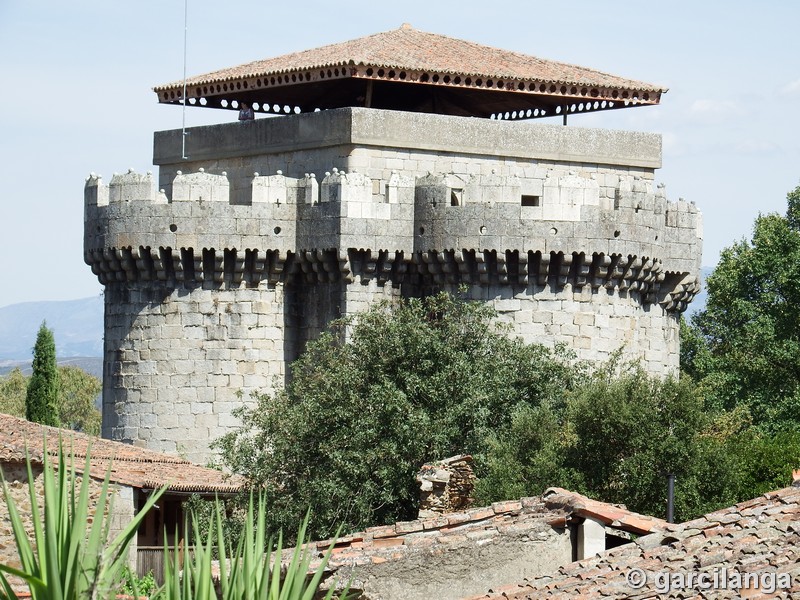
(42, 396)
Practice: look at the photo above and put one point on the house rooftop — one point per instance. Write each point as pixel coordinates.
(412, 70)
(760, 536)
(130, 465)
(417, 544)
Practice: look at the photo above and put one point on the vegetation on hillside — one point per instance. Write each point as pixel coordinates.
(75, 404)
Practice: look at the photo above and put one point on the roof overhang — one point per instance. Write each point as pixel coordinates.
(398, 89)
(410, 70)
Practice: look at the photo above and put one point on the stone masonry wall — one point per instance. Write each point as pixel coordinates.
(16, 477)
(446, 486)
(176, 360)
(597, 322)
(271, 229)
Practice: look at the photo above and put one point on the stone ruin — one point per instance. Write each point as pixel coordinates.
(446, 486)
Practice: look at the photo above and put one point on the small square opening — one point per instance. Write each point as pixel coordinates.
(530, 200)
(456, 197)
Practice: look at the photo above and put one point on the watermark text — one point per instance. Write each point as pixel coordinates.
(713, 579)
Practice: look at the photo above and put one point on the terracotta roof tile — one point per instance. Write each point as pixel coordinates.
(510, 519)
(756, 537)
(407, 57)
(411, 49)
(609, 514)
(130, 465)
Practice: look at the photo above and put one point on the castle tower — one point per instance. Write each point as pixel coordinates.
(218, 272)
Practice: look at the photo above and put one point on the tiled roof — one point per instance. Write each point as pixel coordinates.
(555, 508)
(411, 49)
(760, 537)
(130, 465)
(407, 56)
(419, 545)
(613, 515)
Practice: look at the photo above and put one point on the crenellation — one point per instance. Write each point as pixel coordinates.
(215, 284)
(94, 192)
(200, 187)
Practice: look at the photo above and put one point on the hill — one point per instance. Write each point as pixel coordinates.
(78, 329)
(76, 324)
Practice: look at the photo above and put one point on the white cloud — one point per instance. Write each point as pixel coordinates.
(715, 110)
(792, 87)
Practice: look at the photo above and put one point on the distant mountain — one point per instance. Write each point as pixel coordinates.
(92, 365)
(78, 329)
(77, 326)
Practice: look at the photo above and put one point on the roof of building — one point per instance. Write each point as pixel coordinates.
(408, 69)
(760, 536)
(556, 508)
(130, 465)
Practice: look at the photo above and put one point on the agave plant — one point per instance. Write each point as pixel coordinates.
(70, 556)
(249, 570)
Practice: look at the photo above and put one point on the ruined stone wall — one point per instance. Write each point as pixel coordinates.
(272, 229)
(477, 563)
(16, 477)
(446, 486)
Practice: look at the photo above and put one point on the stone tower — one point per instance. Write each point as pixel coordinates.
(256, 234)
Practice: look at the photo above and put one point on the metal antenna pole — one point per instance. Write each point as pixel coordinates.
(185, 36)
(670, 497)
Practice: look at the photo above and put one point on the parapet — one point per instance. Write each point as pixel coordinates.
(563, 226)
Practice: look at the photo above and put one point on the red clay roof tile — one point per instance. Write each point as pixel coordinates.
(130, 465)
(411, 49)
(406, 58)
(765, 542)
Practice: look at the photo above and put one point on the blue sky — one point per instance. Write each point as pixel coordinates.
(78, 76)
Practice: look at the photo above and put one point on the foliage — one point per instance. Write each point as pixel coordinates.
(70, 556)
(527, 458)
(615, 438)
(76, 396)
(13, 389)
(376, 397)
(77, 391)
(765, 460)
(751, 324)
(42, 395)
(632, 429)
(137, 586)
(248, 569)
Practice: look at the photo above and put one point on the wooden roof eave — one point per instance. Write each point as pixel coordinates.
(209, 87)
(525, 99)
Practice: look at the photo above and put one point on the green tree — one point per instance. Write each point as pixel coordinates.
(750, 327)
(419, 381)
(615, 438)
(13, 389)
(41, 401)
(527, 457)
(631, 429)
(77, 391)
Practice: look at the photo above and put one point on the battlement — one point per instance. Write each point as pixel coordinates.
(220, 271)
(564, 225)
